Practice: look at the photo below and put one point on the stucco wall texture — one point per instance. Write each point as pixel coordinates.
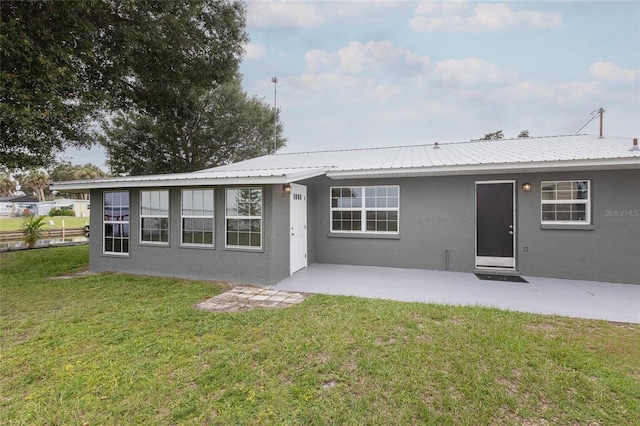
(437, 231)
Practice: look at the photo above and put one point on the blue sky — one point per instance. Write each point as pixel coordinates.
(365, 74)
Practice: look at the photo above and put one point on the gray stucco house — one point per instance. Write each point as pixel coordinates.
(564, 207)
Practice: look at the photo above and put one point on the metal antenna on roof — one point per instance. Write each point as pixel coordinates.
(274, 80)
(594, 114)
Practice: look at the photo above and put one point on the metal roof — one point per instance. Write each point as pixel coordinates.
(579, 152)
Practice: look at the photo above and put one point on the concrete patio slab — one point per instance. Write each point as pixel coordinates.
(572, 298)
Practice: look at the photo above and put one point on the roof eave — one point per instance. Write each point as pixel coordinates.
(157, 181)
(498, 168)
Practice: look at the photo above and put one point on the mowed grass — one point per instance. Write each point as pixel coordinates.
(15, 223)
(122, 349)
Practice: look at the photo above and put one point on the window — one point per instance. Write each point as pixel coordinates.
(243, 215)
(372, 209)
(116, 222)
(154, 217)
(566, 202)
(197, 217)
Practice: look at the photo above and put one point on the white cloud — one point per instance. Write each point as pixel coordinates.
(282, 15)
(358, 57)
(469, 71)
(609, 71)
(462, 17)
(576, 91)
(385, 91)
(254, 51)
(323, 82)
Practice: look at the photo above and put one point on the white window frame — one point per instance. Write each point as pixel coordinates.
(586, 202)
(228, 217)
(120, 223)
(363, 210)
(192, 216)
(155, 216)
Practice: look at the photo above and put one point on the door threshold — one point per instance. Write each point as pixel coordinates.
(495, 270)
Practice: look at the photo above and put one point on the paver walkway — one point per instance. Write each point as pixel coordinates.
(243, 298)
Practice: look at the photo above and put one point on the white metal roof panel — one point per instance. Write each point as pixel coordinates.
(473, 153)
(473, 157)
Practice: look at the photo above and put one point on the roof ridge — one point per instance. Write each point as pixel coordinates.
(429, 144)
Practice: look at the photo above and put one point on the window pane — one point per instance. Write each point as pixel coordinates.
(232, 238)
(208, 238)
(145, 203)
(187, 203)
(231, 202)
(198, 203)
(164, 203)
(208, 202)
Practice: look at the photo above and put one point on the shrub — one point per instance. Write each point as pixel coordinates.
(32, 229)
(61, 212)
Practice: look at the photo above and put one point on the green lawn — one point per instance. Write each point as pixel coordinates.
(121, 349)
(15, 223)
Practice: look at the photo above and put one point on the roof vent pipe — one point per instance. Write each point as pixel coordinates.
(436, 146)
(635, 145)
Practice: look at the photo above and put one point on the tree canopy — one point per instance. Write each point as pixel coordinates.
(7, 185)
(67, 171)
(64, 64)
(35, 183)
(493, 136)
(222, 125)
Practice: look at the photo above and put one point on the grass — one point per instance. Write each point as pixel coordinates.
(15, 223)
(115, 349)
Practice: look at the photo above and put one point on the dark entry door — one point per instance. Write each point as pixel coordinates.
(495, 224)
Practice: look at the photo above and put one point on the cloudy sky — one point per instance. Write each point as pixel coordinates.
(366, 74)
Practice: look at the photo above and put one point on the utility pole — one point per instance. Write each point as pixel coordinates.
(601, 112)
(274, 80)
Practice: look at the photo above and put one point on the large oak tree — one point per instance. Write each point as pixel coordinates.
(64, 64)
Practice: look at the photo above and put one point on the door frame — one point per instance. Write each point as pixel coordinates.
(294, 268)
(495, 263)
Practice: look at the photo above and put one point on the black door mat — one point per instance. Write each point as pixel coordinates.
(505, 278)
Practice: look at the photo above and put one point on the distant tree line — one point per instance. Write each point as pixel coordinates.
(500, 135)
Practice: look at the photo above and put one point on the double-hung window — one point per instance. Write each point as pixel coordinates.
(243, 216)
(197, 217)
(154, 217)
(366, 209)
(116, 222)
(566, 202)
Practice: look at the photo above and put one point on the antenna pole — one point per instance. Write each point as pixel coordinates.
(274, 80)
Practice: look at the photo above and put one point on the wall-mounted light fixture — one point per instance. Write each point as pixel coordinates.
(526, 187)
(286, 188)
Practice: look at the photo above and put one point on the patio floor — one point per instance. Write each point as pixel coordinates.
(572, 298)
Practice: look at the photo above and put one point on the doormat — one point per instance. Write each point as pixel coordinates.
(505, 278)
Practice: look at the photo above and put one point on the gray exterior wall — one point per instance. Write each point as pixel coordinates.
(437, 231)
(437, 220)
(265, 267)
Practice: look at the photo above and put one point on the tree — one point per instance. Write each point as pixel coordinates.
(524, 134)
(493, 136)
(222, 125)
(64, 64)
(67, 171)
(35, 182)
(7, 185)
